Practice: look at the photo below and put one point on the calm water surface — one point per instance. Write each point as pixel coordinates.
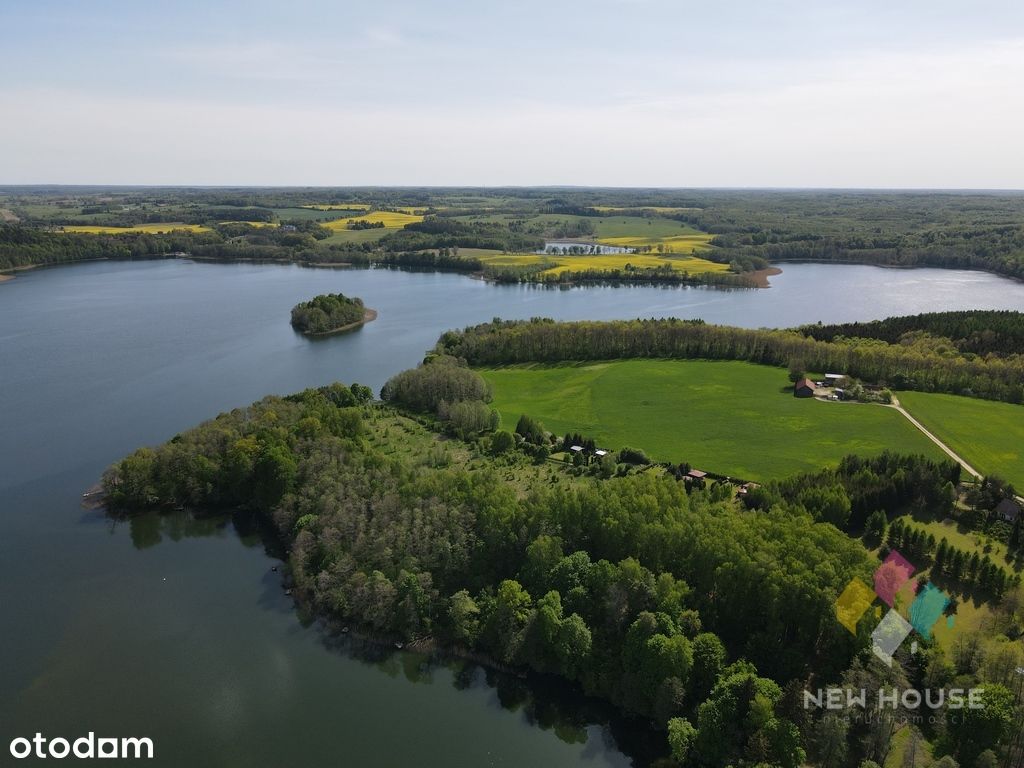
(179, 630)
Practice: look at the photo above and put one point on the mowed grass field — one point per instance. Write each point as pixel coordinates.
(988, 435)
(150, 228)
(733, 418)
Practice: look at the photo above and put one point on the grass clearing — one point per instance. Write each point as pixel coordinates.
(734, 418)
(974, 610)
(988, 434)
(641, 227)
(909, 749)
(252, 223)
(339, 207)
(401, 437)
(662, 209)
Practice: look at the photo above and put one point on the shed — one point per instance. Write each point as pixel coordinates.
(696, 474)
(803, 388)
(834, 377)
(1008, 510)
(576, 448)
(600, 452)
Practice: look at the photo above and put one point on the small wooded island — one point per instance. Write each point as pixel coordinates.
(330, 313)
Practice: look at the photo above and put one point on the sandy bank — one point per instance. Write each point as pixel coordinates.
(369, 316)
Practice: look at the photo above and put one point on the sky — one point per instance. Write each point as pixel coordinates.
(670, 93)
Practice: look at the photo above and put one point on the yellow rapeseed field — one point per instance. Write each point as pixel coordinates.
(391, 220)
(672, 243)
(611, 261)
(152, 229)
(603, 262)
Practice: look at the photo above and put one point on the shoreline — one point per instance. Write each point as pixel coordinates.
(369, 315)
(760, 276)
(8, 274)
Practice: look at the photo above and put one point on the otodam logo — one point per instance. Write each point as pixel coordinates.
(926, 610)
(84, 748)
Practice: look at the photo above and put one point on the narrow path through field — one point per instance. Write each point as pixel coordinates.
(946, 449)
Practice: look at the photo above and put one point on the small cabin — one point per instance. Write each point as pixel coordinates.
(803, 388)
(1008, 510)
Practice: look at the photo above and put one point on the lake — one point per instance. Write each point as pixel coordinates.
(178, 629)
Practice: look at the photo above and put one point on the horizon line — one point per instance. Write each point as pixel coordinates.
(729, 188)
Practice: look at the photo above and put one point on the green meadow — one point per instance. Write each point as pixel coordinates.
(733, 418)
(988, 435)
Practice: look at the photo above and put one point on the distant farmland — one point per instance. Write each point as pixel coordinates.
(152, 229)
(392, 221)
(733, 418)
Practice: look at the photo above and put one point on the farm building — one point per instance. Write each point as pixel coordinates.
(696, 474)
(803, 388)
(1008, 510)
(834, 378)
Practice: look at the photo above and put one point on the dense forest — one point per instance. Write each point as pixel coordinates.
(962, 230)
(326, 313)
(976, 331)
(446, 233)
(672, 600)
(22, 246)
(921, 365)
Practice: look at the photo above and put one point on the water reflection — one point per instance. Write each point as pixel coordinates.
(544, 702)
(149, 528)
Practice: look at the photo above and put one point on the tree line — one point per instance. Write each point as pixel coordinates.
(966, 568)
(976, 331)
(897, 366)
(436, 232)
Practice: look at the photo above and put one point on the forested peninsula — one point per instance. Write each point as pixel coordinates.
(420, 519)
